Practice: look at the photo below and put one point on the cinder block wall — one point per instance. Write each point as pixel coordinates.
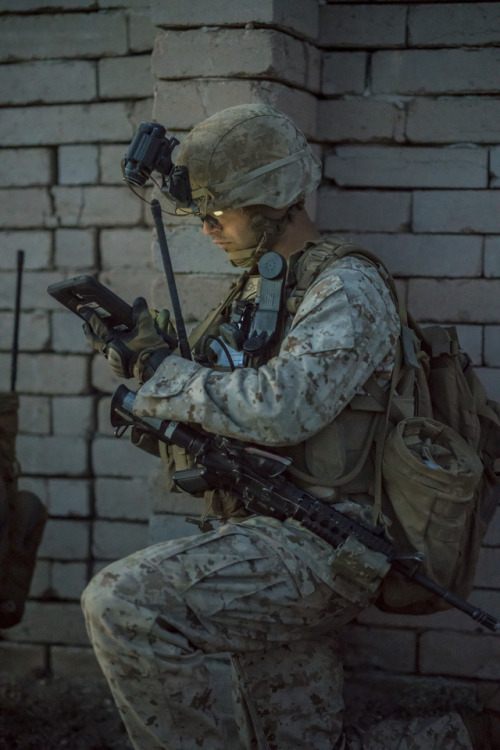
(400, 102)
(76, 82)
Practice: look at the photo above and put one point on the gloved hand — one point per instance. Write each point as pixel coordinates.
(135, 353)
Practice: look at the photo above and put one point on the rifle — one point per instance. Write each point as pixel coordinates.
(257, 477)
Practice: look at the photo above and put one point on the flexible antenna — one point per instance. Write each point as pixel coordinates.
(17, 312)
(172, 287)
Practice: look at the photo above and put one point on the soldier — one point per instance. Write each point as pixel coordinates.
(269, 592)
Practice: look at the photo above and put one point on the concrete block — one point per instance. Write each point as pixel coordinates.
(67, 334)
(466, 211)
(490, 378)
(51, 374)
(33, 331)
(25, 167)
(123, 498)
(492, 346)
(471, 119)
(34, 415)
(103, 416)
(220, 52)
(110, 158)
(471, 341)
(52, 455)
(67, 124)
(50, 622)
(126, 248)
(459, 654)
(78, 165)
(473, 23)
(37, 485)
(30, 37)
(24, 6)
(73, 415)
(70, 661)
(343, 73)
(25, 207)
(359, 119)
(142, 31)
(495, 166)
(118, 458)
(293, 15)
(424, 72)
(376, 649)
(487, 567)
(59, 580)
(48, 81)
(423, 255)
(65, 540)
(75, 248)
(139, 110)
(462, 301)
(363, 211)
(183, 104)
(492, 257)
(37, 245)
(362, 26)
(69, 497)
(34, 292)
(125, 77)
(492, 537)
(386, 166)
(96, 206)
(21, 659)
(113, 540)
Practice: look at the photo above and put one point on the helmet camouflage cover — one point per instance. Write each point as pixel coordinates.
(250, 154)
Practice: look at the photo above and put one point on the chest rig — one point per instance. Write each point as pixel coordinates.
(247, 327)
(338, 463)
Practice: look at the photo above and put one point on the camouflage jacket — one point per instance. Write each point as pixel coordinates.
(344, 331)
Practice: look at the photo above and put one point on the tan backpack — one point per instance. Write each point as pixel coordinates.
(437, 473)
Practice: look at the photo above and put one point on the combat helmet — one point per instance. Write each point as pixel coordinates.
(249, 154)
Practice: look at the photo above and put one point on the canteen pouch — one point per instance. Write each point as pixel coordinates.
(430, 474)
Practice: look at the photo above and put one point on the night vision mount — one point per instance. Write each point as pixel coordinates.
(150, 151)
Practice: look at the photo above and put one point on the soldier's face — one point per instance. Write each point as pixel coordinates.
(231, 230)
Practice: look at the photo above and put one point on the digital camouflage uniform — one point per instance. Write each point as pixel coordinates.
(271, 594)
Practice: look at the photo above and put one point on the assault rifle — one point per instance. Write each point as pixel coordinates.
(257, 477)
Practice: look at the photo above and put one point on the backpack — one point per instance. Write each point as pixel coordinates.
(437, 473)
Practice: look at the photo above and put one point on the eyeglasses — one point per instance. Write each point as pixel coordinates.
(211, 220)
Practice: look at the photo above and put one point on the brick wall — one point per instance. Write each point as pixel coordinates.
(400, 100)
(76, 82)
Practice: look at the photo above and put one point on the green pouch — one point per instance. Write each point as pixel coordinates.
(430, 475)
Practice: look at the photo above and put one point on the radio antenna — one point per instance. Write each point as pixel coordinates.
(172, 286)
(17, 314)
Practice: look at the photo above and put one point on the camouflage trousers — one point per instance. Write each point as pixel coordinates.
(268, 594)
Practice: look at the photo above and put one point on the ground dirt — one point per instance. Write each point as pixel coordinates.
(56, 713)
(78, 714)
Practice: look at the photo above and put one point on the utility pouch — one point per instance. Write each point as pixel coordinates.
(430, 476)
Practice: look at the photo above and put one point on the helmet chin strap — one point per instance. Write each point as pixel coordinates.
(269, 230)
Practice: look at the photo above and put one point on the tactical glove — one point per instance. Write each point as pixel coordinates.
(135, 353)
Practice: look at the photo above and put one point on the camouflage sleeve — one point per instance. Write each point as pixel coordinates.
(344, 331)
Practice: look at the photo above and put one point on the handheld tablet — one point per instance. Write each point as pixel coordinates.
(86, 291)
